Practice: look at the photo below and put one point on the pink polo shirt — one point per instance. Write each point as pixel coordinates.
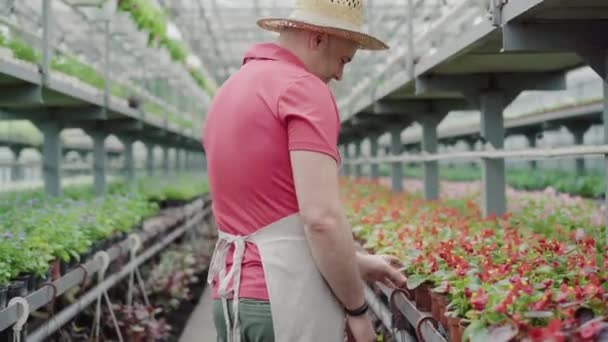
(271, 106)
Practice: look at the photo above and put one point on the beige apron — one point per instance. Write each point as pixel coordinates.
(303, 307)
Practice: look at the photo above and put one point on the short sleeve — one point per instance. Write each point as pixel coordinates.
(310, 114)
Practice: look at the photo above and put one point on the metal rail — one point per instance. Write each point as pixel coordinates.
(385, 316)
(412, 314)
(489, 153)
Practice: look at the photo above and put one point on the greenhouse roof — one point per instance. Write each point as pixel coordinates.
(220, 31)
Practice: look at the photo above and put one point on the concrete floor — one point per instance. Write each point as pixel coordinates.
(200, 326)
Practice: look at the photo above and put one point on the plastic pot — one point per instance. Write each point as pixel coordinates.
(65, 267)
(423, 296)
(455, 329)
(55, 270)
(3, 296)
(435, 306)
(28, 281)
(7, 292)
(16, 288)
(41, 279)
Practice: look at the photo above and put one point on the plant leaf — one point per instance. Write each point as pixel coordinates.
(475, 332)
(503, 334)
(414, 281)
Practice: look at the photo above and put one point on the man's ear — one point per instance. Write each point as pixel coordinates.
(318, 41)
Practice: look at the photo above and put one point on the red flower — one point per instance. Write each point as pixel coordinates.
(588, 330)
(479, 300)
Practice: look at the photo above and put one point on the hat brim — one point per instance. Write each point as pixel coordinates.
(365, 41)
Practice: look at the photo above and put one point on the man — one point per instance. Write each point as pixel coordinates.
(285, 268)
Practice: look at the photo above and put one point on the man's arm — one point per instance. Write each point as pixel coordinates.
(327, 230)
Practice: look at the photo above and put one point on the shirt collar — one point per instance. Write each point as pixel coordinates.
(272, 51)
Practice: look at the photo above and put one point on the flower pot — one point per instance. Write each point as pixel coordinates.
(3, 296)
(41, 279)
(423, 296)
(136, 336)
(443, 303)
(28, 281)
(461, 327)
(455, 330)
(16, 288)
(437, 306)
(65, 267)
(55, 270)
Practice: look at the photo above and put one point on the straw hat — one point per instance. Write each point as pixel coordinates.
(343, 18)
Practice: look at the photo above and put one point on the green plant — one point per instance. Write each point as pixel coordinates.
(23, 51)
(153, 21)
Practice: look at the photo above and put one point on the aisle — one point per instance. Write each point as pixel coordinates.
(200, 326)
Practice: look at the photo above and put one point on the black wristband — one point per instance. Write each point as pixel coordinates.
(360, 311)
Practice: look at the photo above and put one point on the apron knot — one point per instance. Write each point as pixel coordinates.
(217, 269)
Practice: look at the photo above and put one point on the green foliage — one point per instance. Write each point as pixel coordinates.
(153, 21)
(36, 229)
(183, 188)
(73, 67)
(590, 185)
(23, 51)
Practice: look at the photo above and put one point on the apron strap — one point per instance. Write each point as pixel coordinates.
(218, 268)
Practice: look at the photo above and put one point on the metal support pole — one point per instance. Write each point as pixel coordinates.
(493, 173)
(375, 172)
(166, 159)
(16, 169)
(99, 161)
(578, 131)
(358, 167)
(187, 160)
(531, 137)
(177, 155)
(47, 53)
(347, 167)
(51, 156)
(411, 53)
(150, 159)
(129, 162)
(471, 146)
(396, 167)
(431, 168)
(106, 65)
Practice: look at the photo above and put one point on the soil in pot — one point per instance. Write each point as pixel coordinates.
(423, 297)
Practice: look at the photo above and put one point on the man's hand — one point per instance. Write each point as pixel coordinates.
(361, 328)
(381, 268)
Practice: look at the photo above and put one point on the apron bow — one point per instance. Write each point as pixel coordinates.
(218, 268)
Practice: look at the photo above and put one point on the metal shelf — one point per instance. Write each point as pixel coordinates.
(26, 75)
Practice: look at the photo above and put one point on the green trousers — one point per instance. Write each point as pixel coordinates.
(255, 318)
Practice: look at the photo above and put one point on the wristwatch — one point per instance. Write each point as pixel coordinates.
(360, 311)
